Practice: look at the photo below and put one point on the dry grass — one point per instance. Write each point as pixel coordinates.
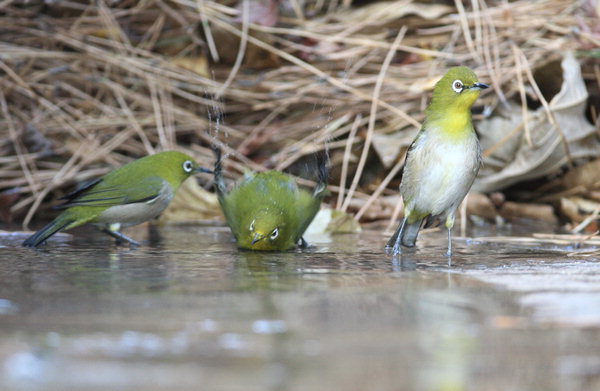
(84, 88)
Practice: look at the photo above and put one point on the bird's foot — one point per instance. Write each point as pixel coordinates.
(303, 243)
(393, 250)
(120, 238)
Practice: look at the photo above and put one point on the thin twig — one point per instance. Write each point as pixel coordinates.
(373, 116)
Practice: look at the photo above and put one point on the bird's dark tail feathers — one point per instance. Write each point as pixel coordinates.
(40, 236)
(322, 174)
(220, 186)
(408, 233)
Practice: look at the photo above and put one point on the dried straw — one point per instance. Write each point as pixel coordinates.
(89, 86)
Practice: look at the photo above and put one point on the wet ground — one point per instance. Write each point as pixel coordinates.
(188, 311)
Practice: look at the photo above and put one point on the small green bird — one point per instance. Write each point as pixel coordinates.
(268, 211)
(443, 160)
(129, 195)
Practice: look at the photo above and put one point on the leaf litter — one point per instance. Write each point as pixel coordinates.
(88, 87)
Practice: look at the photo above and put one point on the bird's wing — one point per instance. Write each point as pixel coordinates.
(101, 194)
(80, 189)
(408, 151)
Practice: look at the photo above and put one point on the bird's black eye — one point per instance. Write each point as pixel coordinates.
(274, 234)
(188, 166)
(457, 86)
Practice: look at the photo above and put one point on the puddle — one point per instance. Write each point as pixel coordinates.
(188, 311)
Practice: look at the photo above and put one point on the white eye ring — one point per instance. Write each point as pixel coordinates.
(457, 86)
(188, 166)
(252, 226)
(274, 234)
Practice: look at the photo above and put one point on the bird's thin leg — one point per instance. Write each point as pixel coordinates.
(392, 240)
(449, 252)
(396, 238)
(113, 230)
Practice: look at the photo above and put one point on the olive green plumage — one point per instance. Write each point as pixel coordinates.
(268, 211)
(129, 195)
(443, 160)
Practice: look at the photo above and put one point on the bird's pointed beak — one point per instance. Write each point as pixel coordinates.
(257, 238)
(202, 169)
(479, 86)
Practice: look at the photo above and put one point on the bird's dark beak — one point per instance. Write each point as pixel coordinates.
(202, 169)
(257, 238)
(479, 86)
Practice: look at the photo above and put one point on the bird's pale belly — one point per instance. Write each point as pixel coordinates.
(445, 174)
(137, 213)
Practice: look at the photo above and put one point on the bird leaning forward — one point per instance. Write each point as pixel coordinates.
(442, 161)
(129, 195)
(268, 211)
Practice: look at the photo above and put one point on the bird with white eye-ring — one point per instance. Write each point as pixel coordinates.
(442, 161)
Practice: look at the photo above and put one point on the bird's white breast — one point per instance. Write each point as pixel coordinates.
(439, 172)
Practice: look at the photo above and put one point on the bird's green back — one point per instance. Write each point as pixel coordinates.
(138, 181)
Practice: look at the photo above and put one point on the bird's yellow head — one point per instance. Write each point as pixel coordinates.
(457, 90)
(266, 231)
(173, 166)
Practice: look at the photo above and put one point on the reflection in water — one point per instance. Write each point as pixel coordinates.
(188, 311)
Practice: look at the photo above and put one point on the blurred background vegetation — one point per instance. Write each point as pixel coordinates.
(88, 86)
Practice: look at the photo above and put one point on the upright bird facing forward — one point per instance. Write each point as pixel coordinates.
(129, 195)
(443, 160)
(268, 211)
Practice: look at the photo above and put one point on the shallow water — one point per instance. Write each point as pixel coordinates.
(188, 311)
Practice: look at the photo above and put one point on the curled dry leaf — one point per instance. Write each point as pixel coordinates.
(198, 64)
(479, 204)
(577, 209)
(388, 147)
(586, 175)
(333, 221)
(511, 159)
(383, 12)
(517, 210)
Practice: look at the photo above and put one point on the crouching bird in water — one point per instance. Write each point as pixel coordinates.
(443, 160)
(129, 195)
(268, 211)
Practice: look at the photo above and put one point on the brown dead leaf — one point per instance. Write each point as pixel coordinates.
(479, 204)
(197, 65)
(511, 159)
(586, 175)
(333, 221)
(569, 209)
(7, 199)
(342, 223)
(577, 209)
(389, 146)
(516, 210)
(419, 86)
(111, 33)
(384, 12)
(255, 57)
